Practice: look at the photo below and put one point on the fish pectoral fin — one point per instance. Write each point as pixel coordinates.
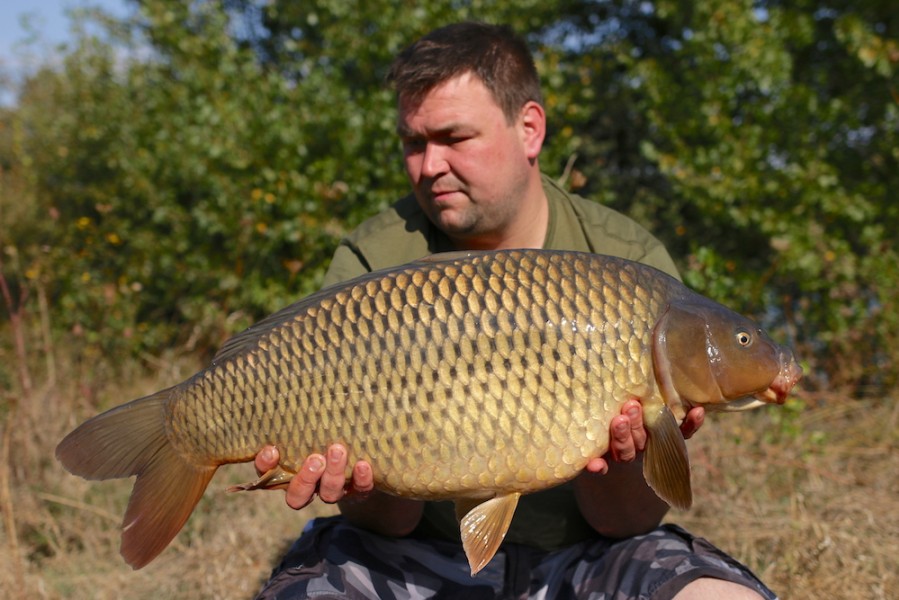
(666, 466)
(484, 526)
(273, 479)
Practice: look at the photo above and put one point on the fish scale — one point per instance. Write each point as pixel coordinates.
(389, 313)
(535, 297)
(473, 376)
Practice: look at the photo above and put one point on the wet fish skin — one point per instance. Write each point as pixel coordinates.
(383, 355)
(473, 376)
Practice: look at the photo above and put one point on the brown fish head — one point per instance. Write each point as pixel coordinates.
(707, 355)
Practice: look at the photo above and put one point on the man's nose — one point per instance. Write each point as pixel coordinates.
(434, 161)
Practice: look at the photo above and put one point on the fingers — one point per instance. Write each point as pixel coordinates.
(363, 480)
(361, 485)
(627, 433)
(692, 422)
(597, 465)
(302, 487)
(621, 444)
(325, 475)
(266, 460)
(333, 480)
(634, 411)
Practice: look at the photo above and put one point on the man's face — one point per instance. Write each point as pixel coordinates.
(469, 167)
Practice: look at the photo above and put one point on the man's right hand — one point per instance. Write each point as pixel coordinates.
(322, 475)
(360, 503)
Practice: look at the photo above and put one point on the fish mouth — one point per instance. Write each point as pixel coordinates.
(776, 393)
(768, 396)
(789, 376)
(741, 404)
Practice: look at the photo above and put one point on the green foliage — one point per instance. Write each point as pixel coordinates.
(759, 140)
(192, 169)
(792, 178)
(194, 188)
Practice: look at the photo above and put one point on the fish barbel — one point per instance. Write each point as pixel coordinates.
(472, 376)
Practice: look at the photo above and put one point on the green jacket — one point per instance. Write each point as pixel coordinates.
(403, 233)
(548, 519)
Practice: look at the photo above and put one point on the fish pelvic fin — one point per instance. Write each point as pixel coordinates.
(131, 440)
(277, 478)
(666, 466)
(484, 527)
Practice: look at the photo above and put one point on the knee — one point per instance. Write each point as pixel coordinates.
(708, 588)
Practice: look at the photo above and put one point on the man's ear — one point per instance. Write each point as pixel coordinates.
(532, 123)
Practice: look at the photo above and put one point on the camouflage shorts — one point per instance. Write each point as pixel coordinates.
(333, 559)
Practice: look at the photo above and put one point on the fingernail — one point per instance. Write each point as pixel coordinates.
(633, 412)
(316, 464)
(335, 454)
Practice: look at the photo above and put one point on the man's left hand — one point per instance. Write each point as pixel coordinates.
(628, 436)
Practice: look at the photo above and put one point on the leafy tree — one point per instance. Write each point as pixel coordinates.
(200, 177)
(192, 168)
(780, 143)
(759, 140)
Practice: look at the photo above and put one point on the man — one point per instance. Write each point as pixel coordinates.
(472, 127)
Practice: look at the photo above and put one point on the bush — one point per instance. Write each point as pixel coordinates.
(193, 169)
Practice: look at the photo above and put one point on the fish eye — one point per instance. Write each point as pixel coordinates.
(744, 338)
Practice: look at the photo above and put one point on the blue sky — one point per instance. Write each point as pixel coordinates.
(47, 18)
(21, 47)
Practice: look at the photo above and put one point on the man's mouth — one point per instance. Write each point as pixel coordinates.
(442, 195)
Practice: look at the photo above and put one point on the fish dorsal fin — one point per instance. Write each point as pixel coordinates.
(452, 255)
(484, 526)
(249, 338)
(665, 463)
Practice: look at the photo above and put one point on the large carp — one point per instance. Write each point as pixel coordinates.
(475, 377)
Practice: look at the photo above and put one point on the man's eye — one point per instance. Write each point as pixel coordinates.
(414, 145)
(452, 140)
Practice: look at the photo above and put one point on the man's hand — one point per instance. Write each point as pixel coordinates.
(628, 436)
(322, 475)
(360, 503)
(627, 505)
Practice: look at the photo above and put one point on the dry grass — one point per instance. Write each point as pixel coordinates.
(811, 504)
(809, 499)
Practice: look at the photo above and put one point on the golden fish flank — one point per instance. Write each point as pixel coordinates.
(474, 376)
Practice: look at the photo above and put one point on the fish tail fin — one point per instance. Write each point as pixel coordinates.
(665, 463)
(131, 440)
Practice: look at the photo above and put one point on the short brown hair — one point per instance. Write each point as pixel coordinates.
(493, 53)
